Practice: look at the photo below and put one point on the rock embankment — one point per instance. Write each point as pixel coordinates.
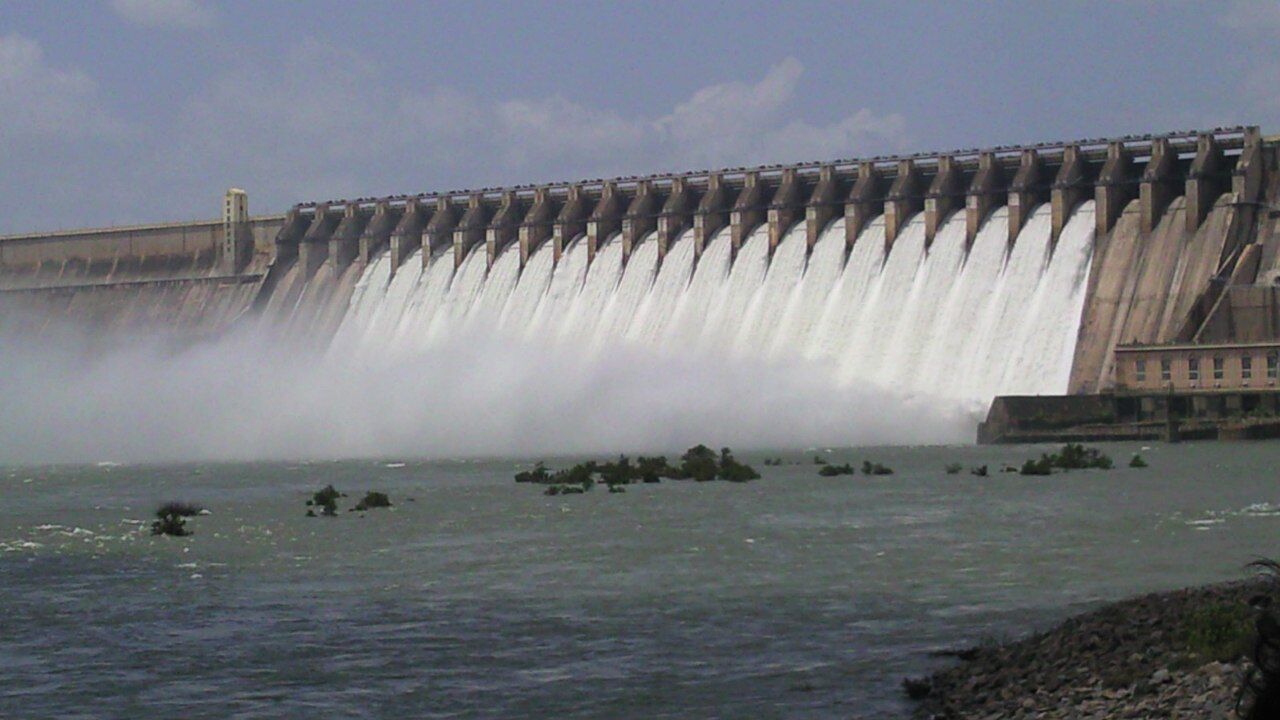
(1180, 654)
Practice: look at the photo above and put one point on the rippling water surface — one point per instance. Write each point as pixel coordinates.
(795, 596)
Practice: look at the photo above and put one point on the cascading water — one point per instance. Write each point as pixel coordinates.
(709, 276)
(808, 301)
(727, 315)
(946, 321)
(773, 295)
(669, 287)
(624, 303)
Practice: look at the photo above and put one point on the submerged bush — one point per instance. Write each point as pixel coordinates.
(734, 471)
(836, 470)
(170, 519)
(327, 500)
(1072, 456)
(870, 468)
(1075, 456)
(699, 463)
(980, 471)
(954, 468)
(538, 474)
(1037, 467)
(373, 499)
(653, 469)
(1137, 462)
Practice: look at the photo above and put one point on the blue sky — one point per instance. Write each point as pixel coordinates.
(127, 111)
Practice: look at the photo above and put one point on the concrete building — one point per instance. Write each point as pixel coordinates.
(1197, 368)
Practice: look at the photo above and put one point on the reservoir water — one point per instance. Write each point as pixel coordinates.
(794, 596)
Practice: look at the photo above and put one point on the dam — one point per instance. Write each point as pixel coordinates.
(947, 279)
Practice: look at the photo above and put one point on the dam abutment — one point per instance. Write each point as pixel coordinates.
(1069, 189)
(865, 202)
(504, 229)
(985, 193)
(712, 214)
(471, 229)
(945, 194)
(1026, 191)
(904, 200)
(537, 225)
(823, 206)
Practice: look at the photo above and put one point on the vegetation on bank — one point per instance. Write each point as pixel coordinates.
(1211, 651)
(699, 463)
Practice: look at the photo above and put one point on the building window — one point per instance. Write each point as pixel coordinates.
(1193, 368)
(1166, 369)
(1271, 366)
(1140, 371)
(1217, 368)
(1246, 367)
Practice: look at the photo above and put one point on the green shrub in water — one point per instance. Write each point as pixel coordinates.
(1037, 467)
(373, 499)
(734, 471)
(539, 474)
(170, 519)
(327, 500)
(699, 463)
(836, 470)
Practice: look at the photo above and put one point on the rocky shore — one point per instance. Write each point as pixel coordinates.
(1180, 654)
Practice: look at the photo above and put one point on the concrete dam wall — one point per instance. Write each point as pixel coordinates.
(180, 277)
(958, 276)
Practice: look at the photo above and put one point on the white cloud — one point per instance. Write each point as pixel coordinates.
(175, 14)
(271, 127)
(276, 131)
(737, 122)
(42, 102)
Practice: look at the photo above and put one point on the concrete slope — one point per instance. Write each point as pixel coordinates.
(1111, 281)
(1197, 266)
(1161, 255)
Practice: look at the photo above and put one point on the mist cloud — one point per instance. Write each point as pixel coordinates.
(68, 399)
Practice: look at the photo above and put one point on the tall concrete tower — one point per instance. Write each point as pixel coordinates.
(237, 242)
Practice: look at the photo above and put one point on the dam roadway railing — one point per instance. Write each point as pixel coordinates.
(1153, 169)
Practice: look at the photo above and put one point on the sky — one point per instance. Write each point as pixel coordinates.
(138, 111)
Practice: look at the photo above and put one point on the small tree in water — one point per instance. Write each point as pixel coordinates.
(734, 471)
(699, 463)
(325, 499)
(169, 519)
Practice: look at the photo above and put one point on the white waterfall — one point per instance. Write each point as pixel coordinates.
(948, 321)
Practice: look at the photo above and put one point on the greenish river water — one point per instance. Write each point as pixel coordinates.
(795, 596)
